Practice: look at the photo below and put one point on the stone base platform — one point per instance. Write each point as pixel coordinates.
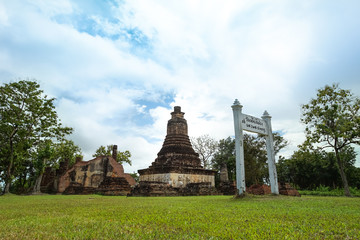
(114, 186)
(110, 186)
(147, 188)
(177, 177)
(227, 188)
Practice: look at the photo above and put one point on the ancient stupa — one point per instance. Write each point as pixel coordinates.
(177, 169)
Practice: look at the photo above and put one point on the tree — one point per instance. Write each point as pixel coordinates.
(66, 150)
(333, 121)
(27, 117)
(28, 175)
(206, 147)
(255, 157)
(279, 142)
(122, 157)
(136, 176)
(44, 153)
(311, 168)
(50, 154)
(306, 169)
(225, 155)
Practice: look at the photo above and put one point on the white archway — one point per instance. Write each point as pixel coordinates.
(256, 125)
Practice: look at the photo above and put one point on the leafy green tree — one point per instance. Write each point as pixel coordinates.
(206, 147)
(225, 155)
(122, 157)
(136, 176)
(29, 175)
(44, 153)
(279, 142)
(306, 169)
(255, 157)
(354, 176)
(66, 150)
(311, 168)
(333, 121)
(49, 154)
(27, 118)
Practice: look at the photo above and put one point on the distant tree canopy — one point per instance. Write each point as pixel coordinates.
(136, 176)
(29, 126)
(255, 157)
(309, 169)
(332, 120)
(122, 157)
(225, 155)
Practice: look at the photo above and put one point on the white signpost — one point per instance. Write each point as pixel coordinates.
(256, 125)
(253, 124)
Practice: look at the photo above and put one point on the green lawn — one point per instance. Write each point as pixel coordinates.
(209, 217)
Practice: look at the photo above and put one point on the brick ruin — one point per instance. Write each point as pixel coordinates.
(287, 189)
(50, 180)
(258, 189)
(177, 170)
(284, 189)
(226, 187)
(102, 175)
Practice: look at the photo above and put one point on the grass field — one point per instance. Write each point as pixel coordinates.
(208, 217)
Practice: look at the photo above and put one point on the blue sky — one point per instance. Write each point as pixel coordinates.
(117, 68)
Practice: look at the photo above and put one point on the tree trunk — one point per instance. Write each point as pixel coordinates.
(7, 187)
(37, 185)
(342, 174)
(8, 179)
(8, 171)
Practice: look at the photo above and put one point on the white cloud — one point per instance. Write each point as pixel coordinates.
(3, 15)
(52, 8)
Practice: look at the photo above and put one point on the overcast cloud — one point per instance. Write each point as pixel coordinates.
(117, 68)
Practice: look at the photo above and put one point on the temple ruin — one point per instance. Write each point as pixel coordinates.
(177, 169)
(225, 186)
(101, 175)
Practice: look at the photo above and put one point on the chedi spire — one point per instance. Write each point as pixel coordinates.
(177, 164)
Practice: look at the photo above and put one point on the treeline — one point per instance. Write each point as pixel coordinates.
(311, 169)
(255, 156)
(305, 169)
(326, 158)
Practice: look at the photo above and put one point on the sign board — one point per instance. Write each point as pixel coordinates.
(253, 124)
(257, 125)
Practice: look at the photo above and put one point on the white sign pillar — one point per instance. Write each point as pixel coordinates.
(239, 148)
(271, 154)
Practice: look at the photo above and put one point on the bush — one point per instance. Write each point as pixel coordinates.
(326, 191)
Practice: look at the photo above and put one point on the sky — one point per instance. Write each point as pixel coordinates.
(117, 68)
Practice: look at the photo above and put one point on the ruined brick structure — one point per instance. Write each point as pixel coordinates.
(50, 179)
(284, 189)
(258, 189)
(176, 166)
(226, 187)
(287, 189)
(101, 175)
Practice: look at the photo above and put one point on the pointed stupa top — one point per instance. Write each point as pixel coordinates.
(177, 150)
